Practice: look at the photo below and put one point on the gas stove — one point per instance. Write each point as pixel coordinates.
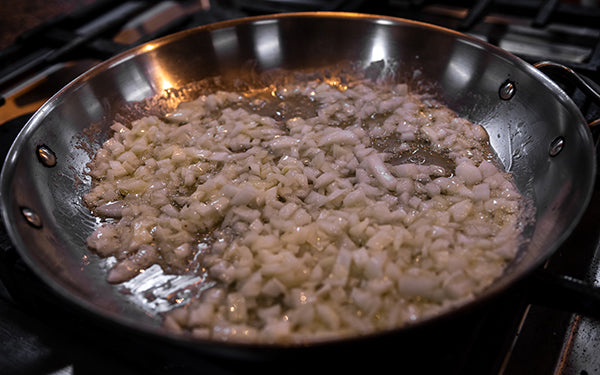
(521, 332)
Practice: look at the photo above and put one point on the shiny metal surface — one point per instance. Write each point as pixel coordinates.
(507, 90)
(462, 71)
(46, 156)
(556, 146)
(586, 86)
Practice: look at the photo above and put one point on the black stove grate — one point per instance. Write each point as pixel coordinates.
(500, 337)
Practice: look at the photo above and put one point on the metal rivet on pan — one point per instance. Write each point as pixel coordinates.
(32, 218)
(46, 156)
(507, 90)
(556, 146)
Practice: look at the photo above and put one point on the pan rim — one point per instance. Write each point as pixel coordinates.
(36, 119)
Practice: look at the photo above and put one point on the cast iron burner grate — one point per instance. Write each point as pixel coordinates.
(41, 335)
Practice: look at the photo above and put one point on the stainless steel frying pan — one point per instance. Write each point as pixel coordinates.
(536, 130)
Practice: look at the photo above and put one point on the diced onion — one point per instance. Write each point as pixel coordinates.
(304, 230)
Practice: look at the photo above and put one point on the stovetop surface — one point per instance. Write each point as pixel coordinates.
(512, 334)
